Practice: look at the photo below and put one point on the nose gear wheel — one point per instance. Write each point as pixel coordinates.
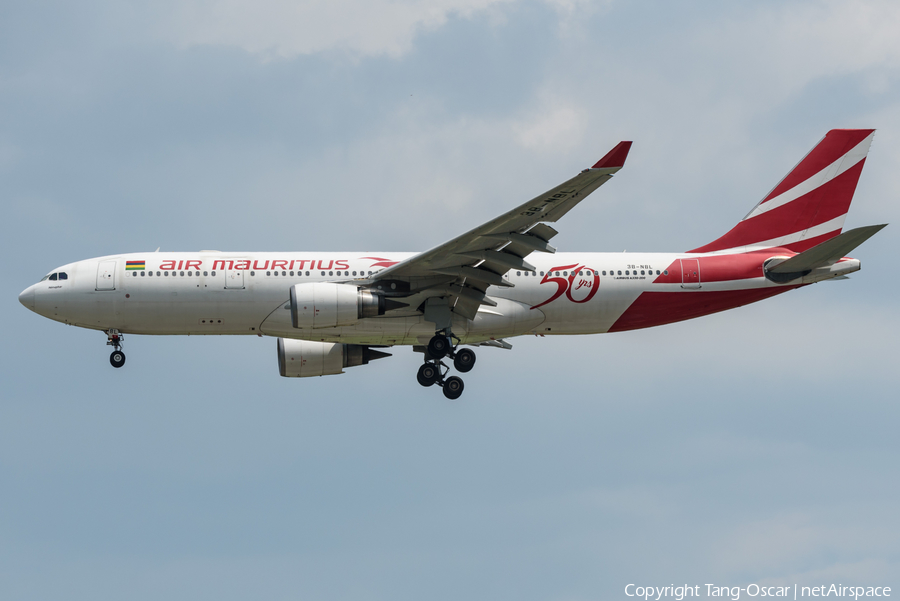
(117, 359)
(116, 340)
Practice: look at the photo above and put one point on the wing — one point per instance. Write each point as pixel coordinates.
(463, 268)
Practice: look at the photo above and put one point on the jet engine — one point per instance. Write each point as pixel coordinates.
(306, 358)
(328, 305)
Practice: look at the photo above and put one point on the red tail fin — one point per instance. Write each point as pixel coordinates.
(809, 205)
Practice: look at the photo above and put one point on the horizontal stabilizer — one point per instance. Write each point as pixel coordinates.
(828, 252)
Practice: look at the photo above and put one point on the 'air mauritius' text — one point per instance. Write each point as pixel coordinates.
(241, 264)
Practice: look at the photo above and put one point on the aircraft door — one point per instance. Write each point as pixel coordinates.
(106, 275)
(234, 278)
(690, 273)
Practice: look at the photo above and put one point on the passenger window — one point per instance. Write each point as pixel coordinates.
(666, 272)
(542, 273)
(64, 276)
(354, 273)
(142, 273)
(252, 273)
(657, 272)
(53, 277)
(330, 273)
(580, 273)
(270, 273)
(323, 273)
(620, 272)
(182, 273)
(166, 273)
(134, 274)
(642, 272)
(518, 273)
(307, 273)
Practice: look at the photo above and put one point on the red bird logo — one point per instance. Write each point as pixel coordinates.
(381, 262)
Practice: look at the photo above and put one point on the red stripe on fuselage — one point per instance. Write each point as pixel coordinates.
(659, 308)
(726, 268)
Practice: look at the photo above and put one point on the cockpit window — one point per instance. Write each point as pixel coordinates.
(63, 275)
(53, 278)
(46, 277)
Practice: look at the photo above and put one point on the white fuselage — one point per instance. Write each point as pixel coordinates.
(241, 293)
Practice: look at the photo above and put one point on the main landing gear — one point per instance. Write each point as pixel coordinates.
(434, 371)
(115, 340)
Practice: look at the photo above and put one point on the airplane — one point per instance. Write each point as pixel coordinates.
(330, 311)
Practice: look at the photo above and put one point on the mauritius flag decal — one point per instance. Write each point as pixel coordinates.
(134, 265)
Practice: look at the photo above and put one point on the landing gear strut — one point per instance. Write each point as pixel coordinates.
(434, 370)
(116, 340)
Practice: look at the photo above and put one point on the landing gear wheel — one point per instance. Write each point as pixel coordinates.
(428, 374)
(453, 387)
(117, 359)
(439, 346)
(464, 360)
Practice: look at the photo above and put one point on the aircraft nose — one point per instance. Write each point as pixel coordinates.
(26, 297)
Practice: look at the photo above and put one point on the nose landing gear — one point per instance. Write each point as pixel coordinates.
(431, 372)
(116, 340)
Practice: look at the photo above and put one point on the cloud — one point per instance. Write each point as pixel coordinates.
(783, 48)
(555, 124)
(284, 29)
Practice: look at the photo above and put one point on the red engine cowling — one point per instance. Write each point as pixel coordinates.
(307, 358)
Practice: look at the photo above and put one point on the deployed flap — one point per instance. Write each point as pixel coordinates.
(828, 252)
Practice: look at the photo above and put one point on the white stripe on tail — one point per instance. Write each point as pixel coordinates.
(809, 205)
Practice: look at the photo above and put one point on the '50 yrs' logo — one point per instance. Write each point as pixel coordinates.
(579, 287)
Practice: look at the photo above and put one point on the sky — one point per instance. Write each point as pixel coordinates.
(753, 446)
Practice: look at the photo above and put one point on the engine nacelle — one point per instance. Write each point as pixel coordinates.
(307, 358)
(329, 305)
